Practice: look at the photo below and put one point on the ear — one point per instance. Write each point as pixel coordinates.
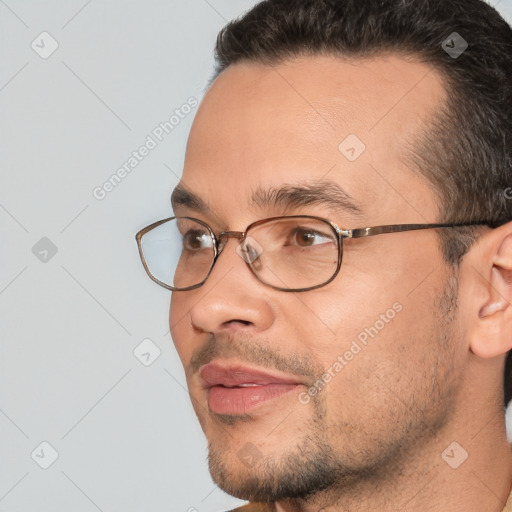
(491, 325)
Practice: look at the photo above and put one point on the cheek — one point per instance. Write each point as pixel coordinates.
(332, 318)
(178, 325)
(388, 369)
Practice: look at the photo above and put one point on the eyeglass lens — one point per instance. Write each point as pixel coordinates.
(290, 252)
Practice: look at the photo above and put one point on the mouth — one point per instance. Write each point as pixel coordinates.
(234, 389)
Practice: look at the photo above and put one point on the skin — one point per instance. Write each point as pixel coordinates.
(376, 433)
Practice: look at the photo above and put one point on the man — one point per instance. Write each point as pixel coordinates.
(334, 368)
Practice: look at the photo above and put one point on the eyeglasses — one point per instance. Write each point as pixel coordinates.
(289, 253)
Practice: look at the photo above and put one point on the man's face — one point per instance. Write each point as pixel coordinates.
(344, 380)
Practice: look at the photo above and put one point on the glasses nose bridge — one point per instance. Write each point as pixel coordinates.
(225, 235)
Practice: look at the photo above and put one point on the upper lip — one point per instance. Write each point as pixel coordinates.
(238, 375)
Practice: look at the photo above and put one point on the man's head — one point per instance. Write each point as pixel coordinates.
(348, 381)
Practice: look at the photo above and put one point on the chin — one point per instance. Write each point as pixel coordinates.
(249, 473)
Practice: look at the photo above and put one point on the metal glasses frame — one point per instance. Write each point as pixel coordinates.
(220, 242)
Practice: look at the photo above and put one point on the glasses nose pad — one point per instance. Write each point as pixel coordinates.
(250, 251)
(257, 264)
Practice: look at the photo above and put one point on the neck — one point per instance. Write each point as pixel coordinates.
(437, 476)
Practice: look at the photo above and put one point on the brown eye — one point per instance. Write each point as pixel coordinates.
(195, 239)
(305, 237)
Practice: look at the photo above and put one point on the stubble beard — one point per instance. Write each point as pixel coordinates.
(316, 465)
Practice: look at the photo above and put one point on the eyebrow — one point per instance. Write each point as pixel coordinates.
(324, 193)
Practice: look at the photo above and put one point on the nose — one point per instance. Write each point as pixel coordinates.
(232, 297)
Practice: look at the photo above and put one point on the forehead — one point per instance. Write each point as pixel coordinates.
(305, 120)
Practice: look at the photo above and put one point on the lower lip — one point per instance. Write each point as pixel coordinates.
(236, 401)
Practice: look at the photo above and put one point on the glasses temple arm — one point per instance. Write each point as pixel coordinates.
(377, 230)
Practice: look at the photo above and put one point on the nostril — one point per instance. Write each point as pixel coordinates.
(237, 321)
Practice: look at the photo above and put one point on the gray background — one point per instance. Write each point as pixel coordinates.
(123, 427)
